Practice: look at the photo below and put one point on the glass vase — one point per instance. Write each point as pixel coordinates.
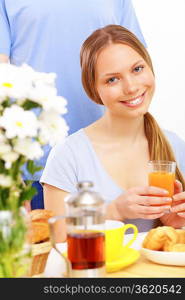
(15, 247)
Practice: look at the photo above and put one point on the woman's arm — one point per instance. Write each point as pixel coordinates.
(54, 200)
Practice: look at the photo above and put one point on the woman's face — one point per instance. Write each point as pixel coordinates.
(124, 81)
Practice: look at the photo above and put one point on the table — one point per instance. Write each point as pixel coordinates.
(147, 269)
(141, 268)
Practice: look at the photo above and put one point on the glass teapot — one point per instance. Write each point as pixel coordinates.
(85, 221)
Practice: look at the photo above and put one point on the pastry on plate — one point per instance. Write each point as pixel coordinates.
(176, 248)
(158, 237)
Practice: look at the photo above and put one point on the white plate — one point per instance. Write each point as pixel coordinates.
(165, 258)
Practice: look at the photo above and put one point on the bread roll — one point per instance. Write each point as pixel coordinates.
(40, 232)
(39, 225)
(41, 214)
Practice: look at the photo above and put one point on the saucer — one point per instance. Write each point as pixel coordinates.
(127, 257)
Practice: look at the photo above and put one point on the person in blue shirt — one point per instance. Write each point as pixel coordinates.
(113, 152)
(48, 35)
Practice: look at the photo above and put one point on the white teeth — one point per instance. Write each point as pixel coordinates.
(136, 101)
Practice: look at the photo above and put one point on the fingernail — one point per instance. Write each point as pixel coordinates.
(181, 214)
(168, 199)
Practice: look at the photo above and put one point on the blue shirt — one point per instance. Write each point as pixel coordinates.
(48, 35)
(75, 160)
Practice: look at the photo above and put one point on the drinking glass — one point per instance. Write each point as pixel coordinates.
(162, 175)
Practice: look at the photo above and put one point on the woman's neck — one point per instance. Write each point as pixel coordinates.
(128, 130)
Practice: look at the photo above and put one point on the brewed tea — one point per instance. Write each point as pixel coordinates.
(86, 250)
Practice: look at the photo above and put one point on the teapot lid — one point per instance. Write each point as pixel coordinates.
(85, 196)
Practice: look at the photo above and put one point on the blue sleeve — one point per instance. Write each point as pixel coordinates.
(5, 39)
(178, 146)
(130, 21)
(180, 154)
(60, 170)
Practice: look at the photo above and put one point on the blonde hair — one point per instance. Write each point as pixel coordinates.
(159, 147)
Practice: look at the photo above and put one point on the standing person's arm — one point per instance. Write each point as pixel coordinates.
(4, 58)
(5, 36)
(130, 21)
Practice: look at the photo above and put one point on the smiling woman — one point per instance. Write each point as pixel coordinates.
(132, 86)
(114, 151)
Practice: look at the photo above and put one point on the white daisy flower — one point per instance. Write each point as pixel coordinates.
(5, 181)
(53, 128)
(18, 122)
(28, 148)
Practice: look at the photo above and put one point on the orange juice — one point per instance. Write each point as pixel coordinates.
(163, 180)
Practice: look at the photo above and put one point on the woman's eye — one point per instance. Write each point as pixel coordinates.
(138, 69)
(112, 80)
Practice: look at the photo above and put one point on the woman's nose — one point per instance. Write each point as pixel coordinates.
(130, 85)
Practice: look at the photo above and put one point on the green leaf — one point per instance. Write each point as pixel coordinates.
(28, 104)
(15, 168)
(27, 194)
(2, 167)
(4, 196)
(32, 167)
(6, 103)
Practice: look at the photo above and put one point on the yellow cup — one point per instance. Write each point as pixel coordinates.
(114, 238)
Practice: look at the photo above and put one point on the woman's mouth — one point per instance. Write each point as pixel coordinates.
(134, 102)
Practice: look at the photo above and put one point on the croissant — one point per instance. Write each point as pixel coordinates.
(181, 236)
(170, 245)
(176, 247)
(158, 237)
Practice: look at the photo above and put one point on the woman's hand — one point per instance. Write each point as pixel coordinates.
(141, 202)
(178, 205)
(177, 216)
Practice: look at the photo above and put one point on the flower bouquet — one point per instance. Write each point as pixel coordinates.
(30, 117)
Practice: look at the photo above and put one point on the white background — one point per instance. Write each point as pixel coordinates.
(163, 26)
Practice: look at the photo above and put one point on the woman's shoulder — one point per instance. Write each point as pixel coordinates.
(72, 144)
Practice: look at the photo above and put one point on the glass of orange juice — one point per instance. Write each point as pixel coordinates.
(162, 175)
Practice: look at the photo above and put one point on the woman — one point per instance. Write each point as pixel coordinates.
(114, 151)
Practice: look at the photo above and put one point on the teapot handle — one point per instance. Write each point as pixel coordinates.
(51, 222)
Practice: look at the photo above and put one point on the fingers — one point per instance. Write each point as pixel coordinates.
(180, 208)
(182, 214)
(153, 210)
(148, 190)
(152, 217)
(178, 204)
(177, 187)
(178, 197)
(149, 200)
